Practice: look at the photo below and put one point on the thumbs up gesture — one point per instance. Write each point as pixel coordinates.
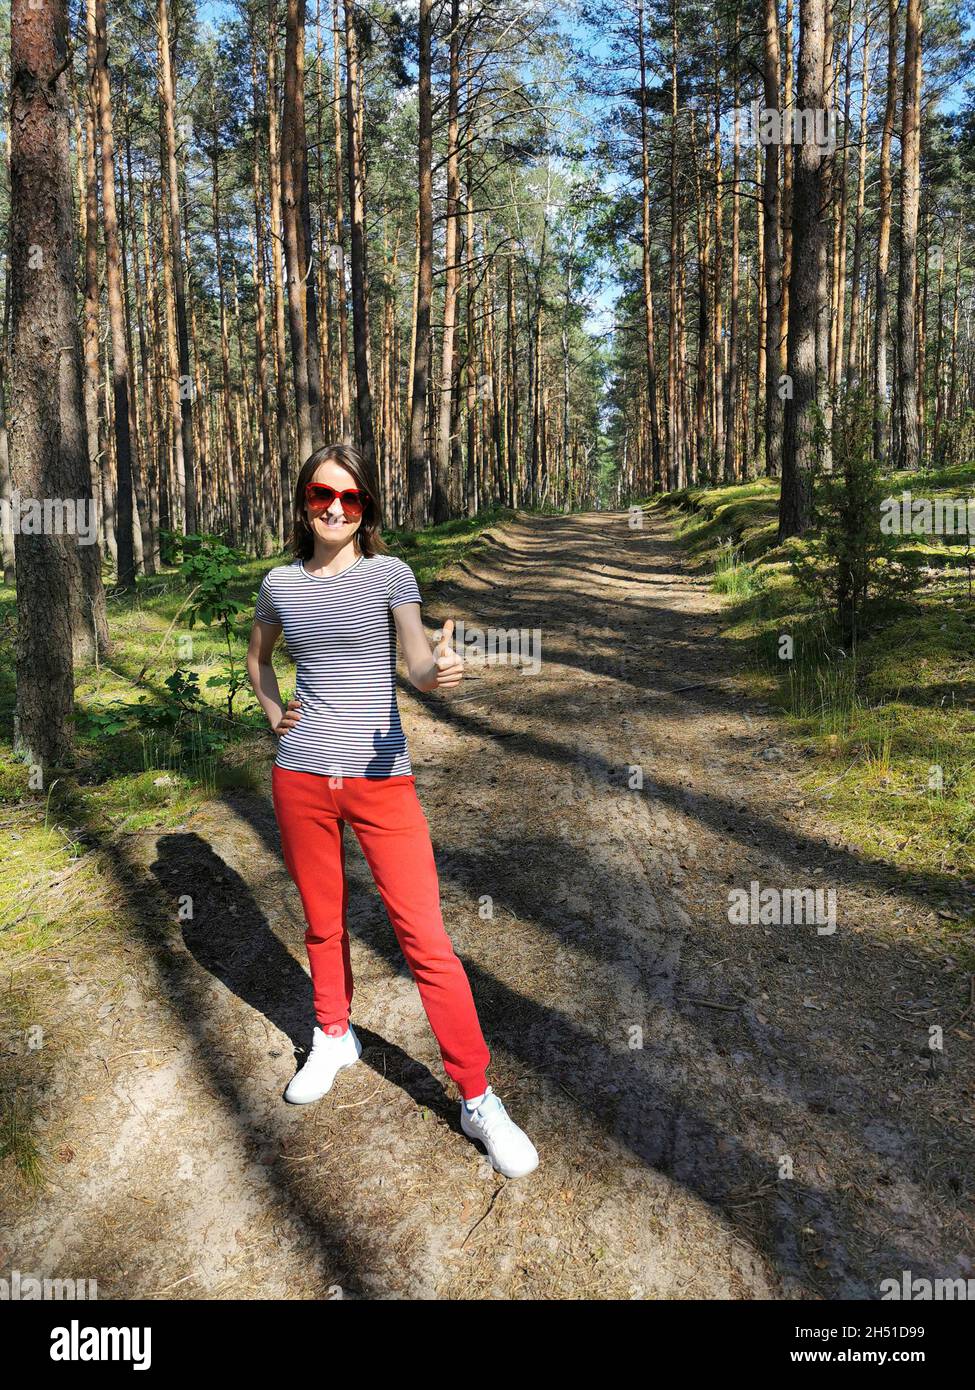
(449, 665)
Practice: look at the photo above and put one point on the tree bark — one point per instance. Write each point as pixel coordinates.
(292, 144)
(445, 489)
(800, 447)
(772, 218)
(731, 413)
(116, 311)
(357, 209)
(266, 491)
(647, 267)
(181, 391)
(881, 417)
(339, 255)
(907, 356)
(856, 297)
(277, 283)
(416, 475)
(61, 605)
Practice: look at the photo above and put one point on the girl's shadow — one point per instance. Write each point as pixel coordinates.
(229, 937)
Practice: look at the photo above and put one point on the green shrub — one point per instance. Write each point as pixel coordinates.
(851, 567)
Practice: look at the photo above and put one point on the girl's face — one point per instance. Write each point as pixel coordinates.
(333, 525)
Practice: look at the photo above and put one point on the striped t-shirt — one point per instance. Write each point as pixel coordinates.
(340, 631)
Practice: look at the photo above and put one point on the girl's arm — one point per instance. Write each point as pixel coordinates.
(440, 669)
(265, 682)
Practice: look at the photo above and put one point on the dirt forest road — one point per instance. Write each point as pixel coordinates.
(721, 1111)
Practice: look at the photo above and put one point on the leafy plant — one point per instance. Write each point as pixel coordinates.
(115, 718)
(171, 710)
(174, 728)
(210, 567)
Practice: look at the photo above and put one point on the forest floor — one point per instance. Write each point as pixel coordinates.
(721, 1111)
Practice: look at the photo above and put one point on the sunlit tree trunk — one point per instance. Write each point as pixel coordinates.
(445, 485)
(416, 478)
(800, 449)
(907, 356)
(881, 312)
(181, 393)
(647, 264)
(772, 218)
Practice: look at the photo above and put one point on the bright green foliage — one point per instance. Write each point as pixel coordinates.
(212, 568)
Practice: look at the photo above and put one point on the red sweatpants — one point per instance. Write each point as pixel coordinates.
(390, 825)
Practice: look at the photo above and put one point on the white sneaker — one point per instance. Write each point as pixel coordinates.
(509, 1148)
(326, 1059)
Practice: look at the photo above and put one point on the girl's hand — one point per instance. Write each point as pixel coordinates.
(289, 719)
(450, 666)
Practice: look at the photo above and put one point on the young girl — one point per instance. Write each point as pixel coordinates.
(342, 756)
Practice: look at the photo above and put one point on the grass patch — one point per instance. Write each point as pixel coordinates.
(18, 1141)
(890, 729)
(734, 576)
(744, 517)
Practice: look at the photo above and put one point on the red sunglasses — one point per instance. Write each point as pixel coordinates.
(320, 497)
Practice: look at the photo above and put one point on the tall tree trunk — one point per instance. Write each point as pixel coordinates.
(731, 416)
(445, 487)
(416, 476)
(674, 439)
(647, 265)
(514, 451)
(703, 317)
(339, 253)
(824, 394)
(881, 416)
(238, 510)
(470, 365)
(145, 532)
(182, 390)
(357, 209)
(97, 452)
(717, 324)
(788, 170)
(952, 404)
(116, 310)
(61, 605)
(752, 466)
(260, 327)
(910, 445)
(299, 164)
(277, 282)
(292, 145)
(799, 453)
(838, 307)
(323, 297)
(772, 217)
(163, 516)
(855, 290)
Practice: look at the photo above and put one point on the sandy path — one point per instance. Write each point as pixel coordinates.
(673, 1069)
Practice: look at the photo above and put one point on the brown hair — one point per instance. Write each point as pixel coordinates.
(367, 539)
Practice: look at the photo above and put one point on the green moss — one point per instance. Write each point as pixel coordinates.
(744, 516)
(928, 656)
